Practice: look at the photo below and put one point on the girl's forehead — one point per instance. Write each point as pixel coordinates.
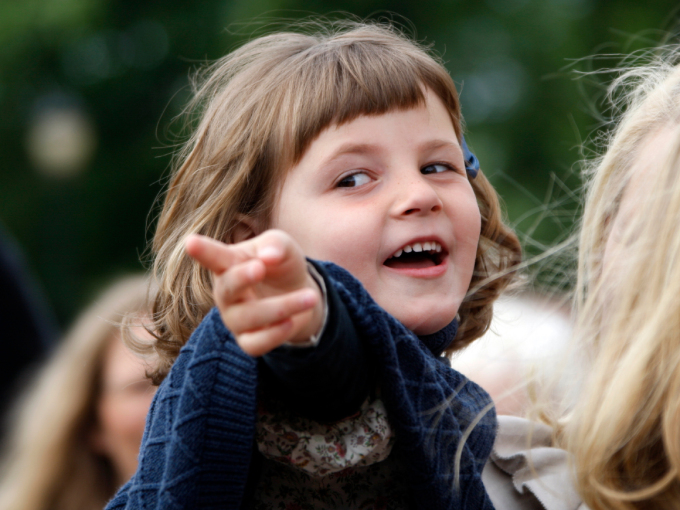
(428, 97)
(424, 127)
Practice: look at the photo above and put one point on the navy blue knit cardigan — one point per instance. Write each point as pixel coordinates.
(198, 442)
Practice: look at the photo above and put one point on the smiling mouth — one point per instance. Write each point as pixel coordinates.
(417, 256)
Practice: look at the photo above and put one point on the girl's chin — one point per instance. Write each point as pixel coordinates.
(427, 327)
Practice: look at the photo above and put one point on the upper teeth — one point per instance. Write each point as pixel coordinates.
(418, 247)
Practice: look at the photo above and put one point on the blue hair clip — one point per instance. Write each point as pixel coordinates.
(471, 161)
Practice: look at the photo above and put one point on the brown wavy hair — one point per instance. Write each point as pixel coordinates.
(258, 109)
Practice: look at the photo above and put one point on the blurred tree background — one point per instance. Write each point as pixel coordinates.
(88, 90)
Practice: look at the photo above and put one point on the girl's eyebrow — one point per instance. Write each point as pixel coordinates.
(441, 143)
(366, 148)
(351, 148)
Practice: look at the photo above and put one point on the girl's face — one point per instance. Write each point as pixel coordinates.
(387, 197)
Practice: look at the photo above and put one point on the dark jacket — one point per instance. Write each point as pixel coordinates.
(198, 443)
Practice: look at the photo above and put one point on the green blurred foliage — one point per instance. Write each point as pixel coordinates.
(124, 64)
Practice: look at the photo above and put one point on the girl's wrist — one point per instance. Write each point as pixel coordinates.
(310, 335)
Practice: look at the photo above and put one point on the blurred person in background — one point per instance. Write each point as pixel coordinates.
(613, 442)
(529, 331)
(623, 427)
(75, 433)
(25, 315)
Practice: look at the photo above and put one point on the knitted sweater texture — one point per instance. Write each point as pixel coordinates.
(198, 443)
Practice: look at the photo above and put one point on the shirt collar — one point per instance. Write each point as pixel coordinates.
(441, 339)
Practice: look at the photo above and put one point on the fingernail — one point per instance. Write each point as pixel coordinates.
(308, 298)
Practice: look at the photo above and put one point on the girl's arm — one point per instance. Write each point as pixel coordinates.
(267, 298)
(198, 442)
(326, 382)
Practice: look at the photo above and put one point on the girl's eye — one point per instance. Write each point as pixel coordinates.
(436, 168)
(354, 180)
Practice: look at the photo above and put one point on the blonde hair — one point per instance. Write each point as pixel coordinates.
(259, 108)
(624, 430)
(49, 462)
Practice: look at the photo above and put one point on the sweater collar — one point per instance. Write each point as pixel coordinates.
(440, 340)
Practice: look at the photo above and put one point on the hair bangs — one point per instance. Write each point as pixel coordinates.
(337, 81)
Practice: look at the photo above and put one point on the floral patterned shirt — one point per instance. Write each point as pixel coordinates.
(345, 464)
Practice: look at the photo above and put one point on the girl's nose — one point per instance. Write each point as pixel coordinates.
(417, 197)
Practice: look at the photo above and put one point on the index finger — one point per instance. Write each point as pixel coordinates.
(213, 255)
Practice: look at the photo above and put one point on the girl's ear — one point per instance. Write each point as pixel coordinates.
(246, 228)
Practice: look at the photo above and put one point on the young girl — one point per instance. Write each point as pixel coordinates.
(327, 388)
